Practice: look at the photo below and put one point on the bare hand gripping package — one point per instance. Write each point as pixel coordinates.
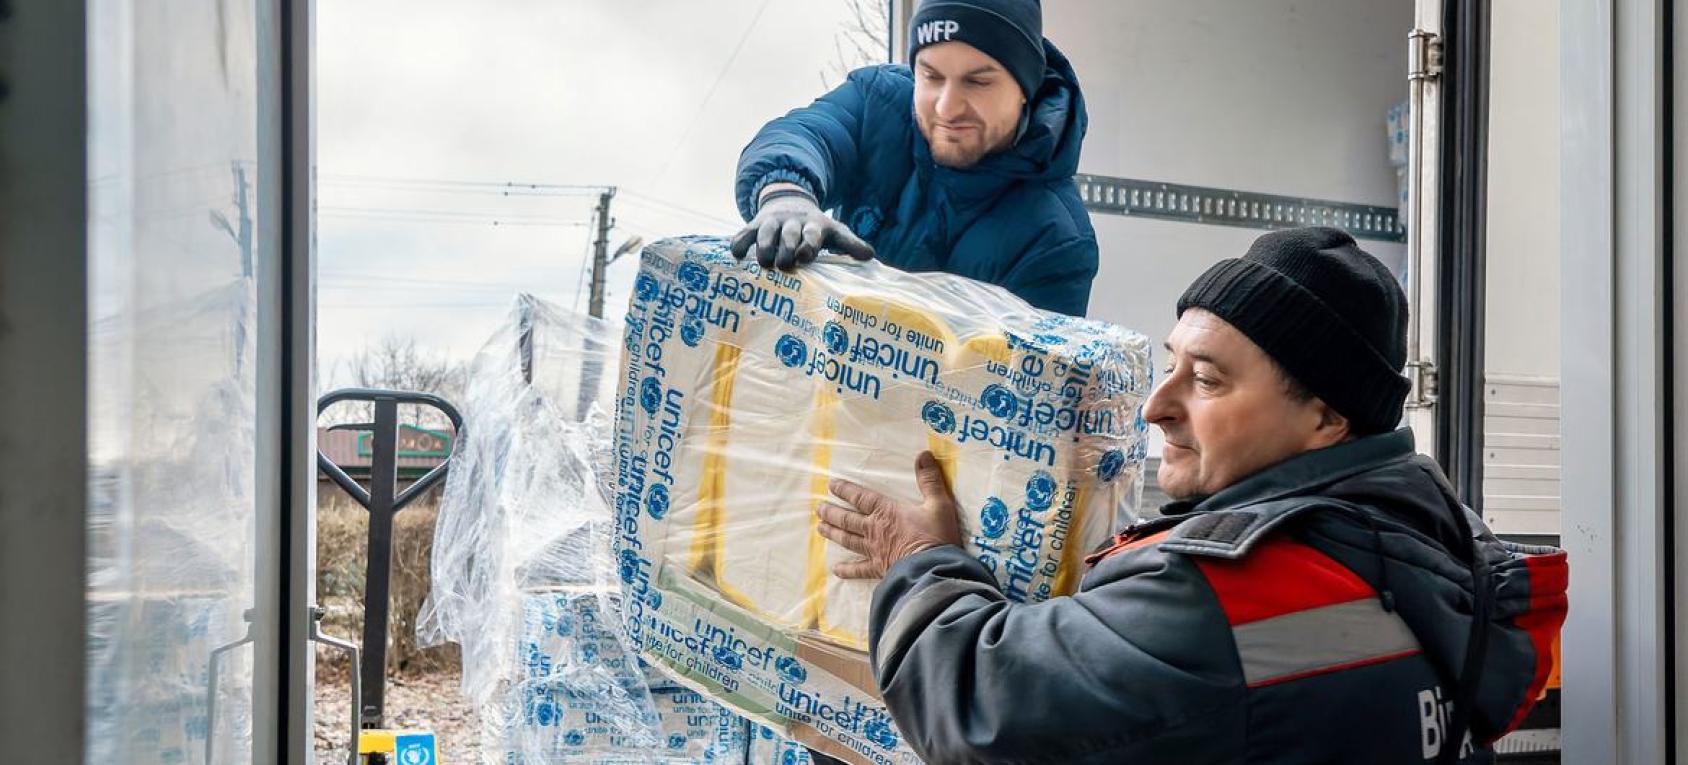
(743, 391)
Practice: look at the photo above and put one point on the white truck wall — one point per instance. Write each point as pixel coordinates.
(1284, 97)
(1273, 96)
(1521, 453)
(1522, 336)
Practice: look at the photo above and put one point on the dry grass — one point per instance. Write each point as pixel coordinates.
(342, 539)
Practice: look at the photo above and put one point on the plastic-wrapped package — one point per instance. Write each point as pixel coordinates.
(555, 717)
(521, 576)
(743, 391)
(769, 748)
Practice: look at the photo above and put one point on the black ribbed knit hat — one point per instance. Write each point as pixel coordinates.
(1010, 31)
(1331, 315)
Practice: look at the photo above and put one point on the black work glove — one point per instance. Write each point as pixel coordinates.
(791, 230)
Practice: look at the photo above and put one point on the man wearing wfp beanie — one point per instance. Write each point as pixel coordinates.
(962, 162)
(1315, 593)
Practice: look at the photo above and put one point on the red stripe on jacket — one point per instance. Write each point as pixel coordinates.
(1278, 577)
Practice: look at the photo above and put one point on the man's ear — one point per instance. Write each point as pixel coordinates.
(1333, 427)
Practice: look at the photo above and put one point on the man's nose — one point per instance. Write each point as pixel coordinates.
(951, 105)
(1162, 407)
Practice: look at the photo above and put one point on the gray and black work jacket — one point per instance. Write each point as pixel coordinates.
(1317, 611)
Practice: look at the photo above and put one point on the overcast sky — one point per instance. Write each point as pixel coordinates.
(425, 103)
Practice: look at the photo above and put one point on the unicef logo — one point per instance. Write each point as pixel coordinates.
(694, 277)
(574, 738)
(415, 754)
(726, 658)
(653, 599)
(788, 757)
(993, 520)
(676, 741)
(1112, 462)
(628, 566)
(792, 352)
(656, 501)
(938, 417)
(650, 395)
(1040, 491)
(691, 330)
(1000, 401)
(545, 714)
(646, 288)
(588, 653)
(836, 339)
(791, 670)
(565, 625)
(765, 732)
(880, 732)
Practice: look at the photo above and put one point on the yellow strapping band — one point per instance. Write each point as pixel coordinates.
(706, 529)
(814, 575)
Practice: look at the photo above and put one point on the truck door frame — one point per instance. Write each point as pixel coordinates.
(1620, 428)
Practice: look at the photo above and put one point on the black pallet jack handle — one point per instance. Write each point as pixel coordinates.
(383, 500)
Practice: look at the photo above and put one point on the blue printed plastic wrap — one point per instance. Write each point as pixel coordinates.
(742, 392)
(770, 748)
(522, 577)
(557, 712)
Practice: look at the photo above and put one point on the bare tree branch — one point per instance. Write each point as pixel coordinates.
(862, 40)
(396, 363)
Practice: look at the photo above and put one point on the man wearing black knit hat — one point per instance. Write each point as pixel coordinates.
(1315, 593)
(961, 162)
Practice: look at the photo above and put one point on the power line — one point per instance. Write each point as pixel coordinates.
(649, 201)
(692, 124)
(440, 213)
(506, 189)
(414, 215)
(385, 180)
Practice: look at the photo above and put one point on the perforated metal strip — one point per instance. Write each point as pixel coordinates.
(1230, 207)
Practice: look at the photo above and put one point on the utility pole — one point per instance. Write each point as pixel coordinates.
(593, 363)
(601, 252)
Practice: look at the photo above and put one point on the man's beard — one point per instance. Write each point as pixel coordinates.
(956, 156)
(960, 156)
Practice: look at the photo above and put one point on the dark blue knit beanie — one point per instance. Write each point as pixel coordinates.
(1327, 311)
(1010, 31)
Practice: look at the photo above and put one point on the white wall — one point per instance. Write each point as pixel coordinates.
(1273, 96)
(1521, 424)
(1522, 295)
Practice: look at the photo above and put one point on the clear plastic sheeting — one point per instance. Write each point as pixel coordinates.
(171, 530)
(179, 222)
(521, 572)
(743, 391)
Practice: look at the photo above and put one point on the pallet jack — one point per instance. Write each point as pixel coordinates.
(371, 742)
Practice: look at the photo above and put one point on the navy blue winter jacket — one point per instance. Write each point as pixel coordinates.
(1015, 219)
